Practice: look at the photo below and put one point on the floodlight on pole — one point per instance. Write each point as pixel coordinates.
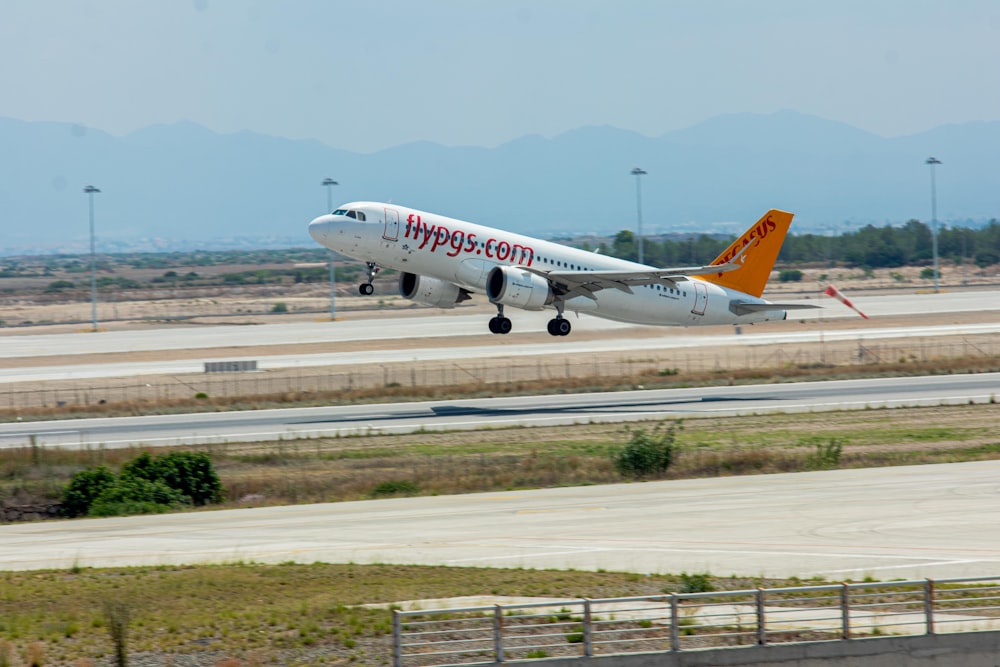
(637, 172)
(90, 190)
(328, 183)
(932, 161)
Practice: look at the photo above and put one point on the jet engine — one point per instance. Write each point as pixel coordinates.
(431, 291)
(513, 286)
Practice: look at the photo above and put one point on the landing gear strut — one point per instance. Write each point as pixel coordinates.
(367, 288)
(559, 325)
(500, 324)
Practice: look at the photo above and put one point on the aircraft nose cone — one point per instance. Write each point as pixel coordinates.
(319, 228)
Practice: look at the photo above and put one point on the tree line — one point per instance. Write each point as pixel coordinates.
(868, 247)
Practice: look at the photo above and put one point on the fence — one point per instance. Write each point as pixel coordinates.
(493, 371)
(686, 621)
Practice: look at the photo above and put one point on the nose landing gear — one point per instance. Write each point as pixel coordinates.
(367, 288)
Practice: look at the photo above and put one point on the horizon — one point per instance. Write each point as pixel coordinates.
(78, 127)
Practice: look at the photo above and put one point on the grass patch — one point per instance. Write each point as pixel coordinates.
(264, 614)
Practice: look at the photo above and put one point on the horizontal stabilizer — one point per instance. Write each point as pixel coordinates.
(746, 308)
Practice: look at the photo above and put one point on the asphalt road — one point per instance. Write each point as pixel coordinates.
(217, 427)
(907, 522)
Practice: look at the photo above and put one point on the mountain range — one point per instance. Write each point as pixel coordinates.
(183, 186)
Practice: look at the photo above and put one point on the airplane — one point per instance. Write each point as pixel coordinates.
(443, 262)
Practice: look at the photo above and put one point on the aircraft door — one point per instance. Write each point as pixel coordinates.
(391, 225)
(700, 298)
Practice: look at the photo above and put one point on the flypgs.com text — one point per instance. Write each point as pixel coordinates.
(432, 237)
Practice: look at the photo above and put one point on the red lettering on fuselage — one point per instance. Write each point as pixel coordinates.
(432, 237)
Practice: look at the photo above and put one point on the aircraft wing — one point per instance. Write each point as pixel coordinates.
(586, 283)
(574, 283)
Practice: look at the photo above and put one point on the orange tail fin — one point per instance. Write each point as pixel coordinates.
(765, 239)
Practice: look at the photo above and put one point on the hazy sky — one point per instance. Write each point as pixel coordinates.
(367, 75)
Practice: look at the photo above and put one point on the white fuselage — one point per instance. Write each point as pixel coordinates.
(463, 253)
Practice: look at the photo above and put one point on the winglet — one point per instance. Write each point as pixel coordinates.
(757, 250)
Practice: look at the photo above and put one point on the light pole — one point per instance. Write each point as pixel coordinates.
(637, 172)
(90, 190)
(328, 183)
(934, 243)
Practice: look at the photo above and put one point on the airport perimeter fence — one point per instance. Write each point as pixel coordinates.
(690, 621)
(634, 368)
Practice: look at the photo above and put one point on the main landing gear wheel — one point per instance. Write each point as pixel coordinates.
(559, 326)
(366, 289)
(500, 325)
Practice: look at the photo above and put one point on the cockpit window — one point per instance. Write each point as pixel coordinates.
(350, 213)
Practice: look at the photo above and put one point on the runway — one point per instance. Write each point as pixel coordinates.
(908, 522)
(17, 343)
(549, 410)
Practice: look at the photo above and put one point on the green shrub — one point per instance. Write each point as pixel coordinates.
(146, 485)
(826, 456)
(789, 275)
(647, 452)
(59, 285)
(394, 487)
(696, 583)
(135, 495)
(83, 488)
(280, 307)
(190, 473)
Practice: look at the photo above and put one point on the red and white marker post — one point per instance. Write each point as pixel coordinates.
(835, 293)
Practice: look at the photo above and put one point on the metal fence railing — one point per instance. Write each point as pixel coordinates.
(687, 621)
(636, 368)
